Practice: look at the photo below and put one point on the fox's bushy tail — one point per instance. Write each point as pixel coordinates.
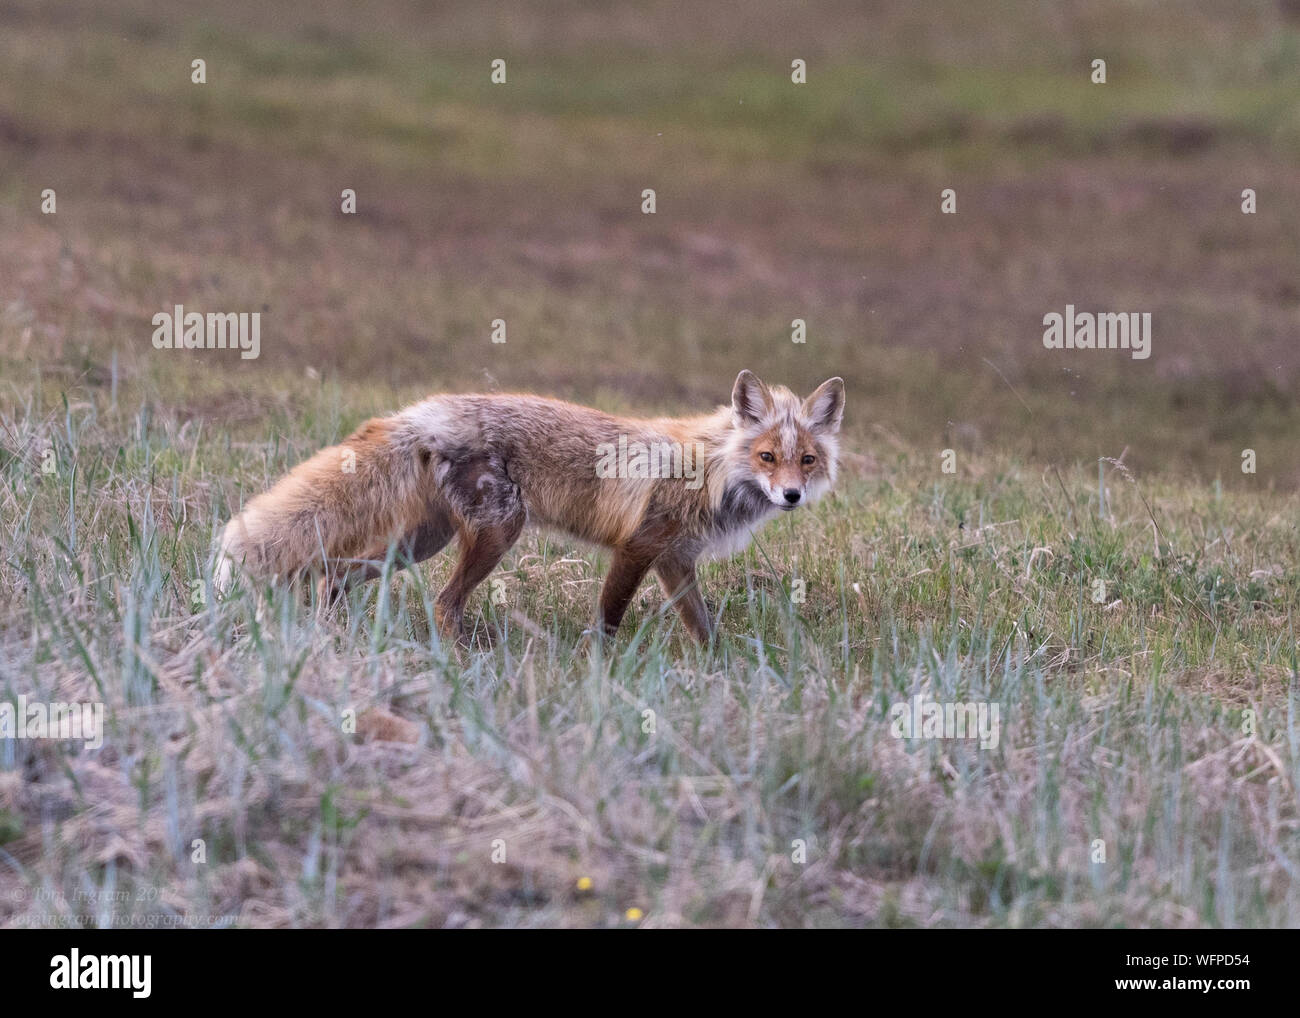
(344, 504)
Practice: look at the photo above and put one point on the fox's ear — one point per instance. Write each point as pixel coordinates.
(750, 398)
(825, 407)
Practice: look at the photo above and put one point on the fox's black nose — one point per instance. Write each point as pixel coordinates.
(792, 495)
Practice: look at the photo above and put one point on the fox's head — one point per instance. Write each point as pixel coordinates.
(792, 445)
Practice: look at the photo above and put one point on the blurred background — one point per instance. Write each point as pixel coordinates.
(775, 201)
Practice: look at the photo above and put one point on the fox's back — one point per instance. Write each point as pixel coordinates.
(550, 449)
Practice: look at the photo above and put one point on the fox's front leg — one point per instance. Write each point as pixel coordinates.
(625, 574)
(681, 585)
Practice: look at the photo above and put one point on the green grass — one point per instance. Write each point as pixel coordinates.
(1155, 713)
(1120, 720)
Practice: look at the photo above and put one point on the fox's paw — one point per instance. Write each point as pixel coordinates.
(480, 638)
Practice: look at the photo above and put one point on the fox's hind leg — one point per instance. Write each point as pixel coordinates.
(425, 541)
(480, 551)
(492, 515)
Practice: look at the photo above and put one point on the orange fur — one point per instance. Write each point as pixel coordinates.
(480, 467)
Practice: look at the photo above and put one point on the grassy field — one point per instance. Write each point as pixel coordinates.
(1097, 565)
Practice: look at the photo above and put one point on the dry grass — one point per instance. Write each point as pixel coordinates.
(1122, 720)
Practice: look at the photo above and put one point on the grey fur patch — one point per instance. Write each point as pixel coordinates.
(480, 490)
(742, 504)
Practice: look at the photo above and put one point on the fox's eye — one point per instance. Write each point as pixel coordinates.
(767, 457)
(809, 460)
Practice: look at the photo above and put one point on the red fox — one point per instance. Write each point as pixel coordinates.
(659, 493)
